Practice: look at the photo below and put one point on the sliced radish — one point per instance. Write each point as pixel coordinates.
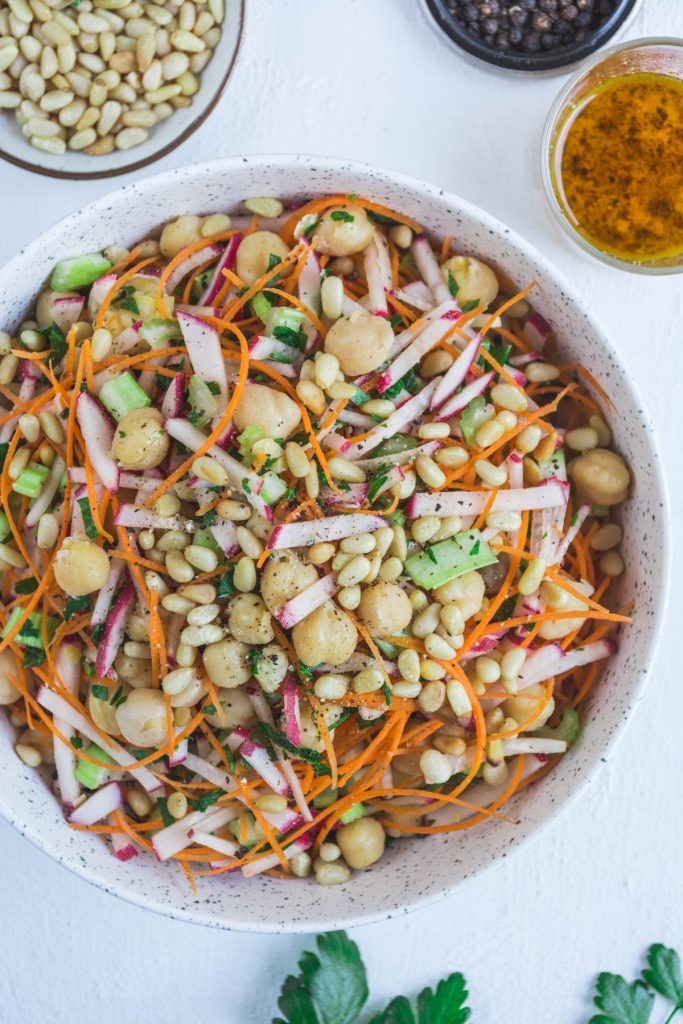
(430, 269)
(537, 745)
(66, 310)
(355, 497)
(114, 629)
(316, 531)
(103, 802)
(98, 434)
(259, 759)
(399, 458)
(126, 340)
(456, 374)
(172, 404)
(207, 771)
(551, 494)
(292, 712)
(536, 331)
(262, 347)
(123, 847)
(228, 847)
(257, 867)
(463, 398)
(408, 413)
(206, 355)
(226, 262)
(42, 502)
(178, 836)
(297, 608)
(374, 275)
(190, 263)
(416, 294)
(581, 516)
(68, 669)
(448, 310)
(99, 290)
(553, 660)
(136, 518)
(264, 714)
(411, 356)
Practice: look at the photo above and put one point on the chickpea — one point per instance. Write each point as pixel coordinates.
(81, 567)
(385, 609)
(254, 254)
(475, 280)
(179, 233)
(362, 842)
(361, 342)
(345, 230)
(563, 627)
(8, 667)
(142, 718)
(103, 715)
(277, 414)
(226, 663)
(44, 310)
(327, 634)
(237, 710)
(272, 667)
(140, 441)
(283, 577)
(467, 592)
(249, 620)
(525, 703)
(600, 476)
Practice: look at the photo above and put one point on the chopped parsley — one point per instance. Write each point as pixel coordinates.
(4, 448)
(506, 610)
(254, 659)
(305, 670)
(453, 285)
(410, 382)
(208, 518)
(209, 709)
(273, 261)
(91, 530)
(246, 486)
(226, 586)
(26, 586)
(213, 386)
(33, 656)
(101, 692)
(55, 338)
(76, 742)
(342, 215)
(388, 696)
(166, 815)
(378, 481)
(125, 300)
(288, 336)
(431, 555)
(311, 228)
(474, 550)
(202, 802)
(276, 738)
(395, 320)
(381, 218)
(75, 605)
(469, 306)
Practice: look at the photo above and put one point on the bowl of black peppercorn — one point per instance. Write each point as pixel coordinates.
(531, 35)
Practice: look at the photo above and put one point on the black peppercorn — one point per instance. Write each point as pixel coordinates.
(541, 22)
(517, 16)
(532, 42)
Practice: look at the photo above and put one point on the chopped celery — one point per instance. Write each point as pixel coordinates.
(31, 479)
(31, 633)
(156, 331)
(360, 397)
(554, 466)
(394, 445)
(354, 811)
(123, 394)
(78, 271)
(396, 518)
(567, 730)
(472, 417)
(261, 306)
(448, 559)
(388, 649)
(273, 488)
(324, 799)
(247, 438)
(205, 539)
(201, 397)
(284, 316)
(91, 775)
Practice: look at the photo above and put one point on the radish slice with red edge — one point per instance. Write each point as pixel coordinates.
(226, 262)
(98, 433)
(103, 802)
(114, 629)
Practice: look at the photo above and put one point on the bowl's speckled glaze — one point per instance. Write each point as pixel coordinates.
(413, 873)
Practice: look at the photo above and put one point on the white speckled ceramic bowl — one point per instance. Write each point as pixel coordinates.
(413, 873)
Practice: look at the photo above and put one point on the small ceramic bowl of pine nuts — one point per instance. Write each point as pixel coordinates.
(94, 88)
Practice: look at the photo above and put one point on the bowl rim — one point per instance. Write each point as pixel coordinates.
(358, 169)
(555, 112)
(548, 61)
(157, 154)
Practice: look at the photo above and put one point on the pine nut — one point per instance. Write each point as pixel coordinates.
(453, 457)
(532, 577)
(405, 690)
(390, 569)
(129, 137)
(178, 568)
(367, 681)
(612, 564)
(265, 206)
(429, 471)
(203, 559)
(355, 571)
(408, 484)
(344, 469)
(508, 397)
(54, 145)
(200, 593)
(48, 531)
(244, 576)
(186, 42)
(233, 511)
(399, 544)
(177, 805)
(582, 439)
(30, 427)
(487, 670)
(318, 554)
(31, 756)
(208, 469)
(511, 663)
(349, 597)
(312, 482)
(505, 521)
(331, 874)
(433, 431)
(203, 614)
(185, 655)
(541, 373)
(449, 526)
(361, 544)
(311, 396)
(427, 621)
(601, 429)
(437, 647)
(381, 407)
(458, 699)
(18, 463)
(423, 529)
(198, 636)
(432, 697)
(492, 476)
(340, 390)
(332, 297)
(409, 665)
(177, 605)
(528, 439)
(331, 686)
(435, 767)
(607, 537)
(217, 222)
(297, 460)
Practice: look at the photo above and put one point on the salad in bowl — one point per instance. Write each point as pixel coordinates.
(308, 537)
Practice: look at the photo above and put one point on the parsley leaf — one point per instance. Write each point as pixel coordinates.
(399, 1011)
(305, 670)
(395, 320)
(620, 1002)
(101, 692)
(124, 299)
(76, 742)
(253, 659)
(55, 338)
(202, 802)
(278, 739)
(453, 285)
(4, 448)
(288, 336)
(446, 1005)
(311, 228)
(342, 215)
(76, 604)
(663, 973)
(26, 586)
(273, 260)
(166, 815)
(469, 306)
(33, 656)
(388, 696)
(226, 586)
(210, 709)
(431, 554)
(377, 483)
(332, 987)
(410, 382)
(381, 218)
(506, 610)
(213, 386)
(91, 530)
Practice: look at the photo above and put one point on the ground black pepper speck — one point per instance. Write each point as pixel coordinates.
(530, 26)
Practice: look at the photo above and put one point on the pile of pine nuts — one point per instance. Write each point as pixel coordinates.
(97, 75)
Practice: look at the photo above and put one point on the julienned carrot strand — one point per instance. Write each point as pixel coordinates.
(116, 287)
(319, 205)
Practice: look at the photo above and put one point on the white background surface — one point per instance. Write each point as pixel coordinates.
(370, 80)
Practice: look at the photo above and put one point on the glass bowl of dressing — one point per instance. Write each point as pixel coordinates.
(612, 157)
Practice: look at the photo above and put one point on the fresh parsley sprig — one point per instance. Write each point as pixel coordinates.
(332, 988)
(622, 1003)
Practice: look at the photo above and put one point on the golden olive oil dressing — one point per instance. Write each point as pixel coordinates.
(621, 167)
